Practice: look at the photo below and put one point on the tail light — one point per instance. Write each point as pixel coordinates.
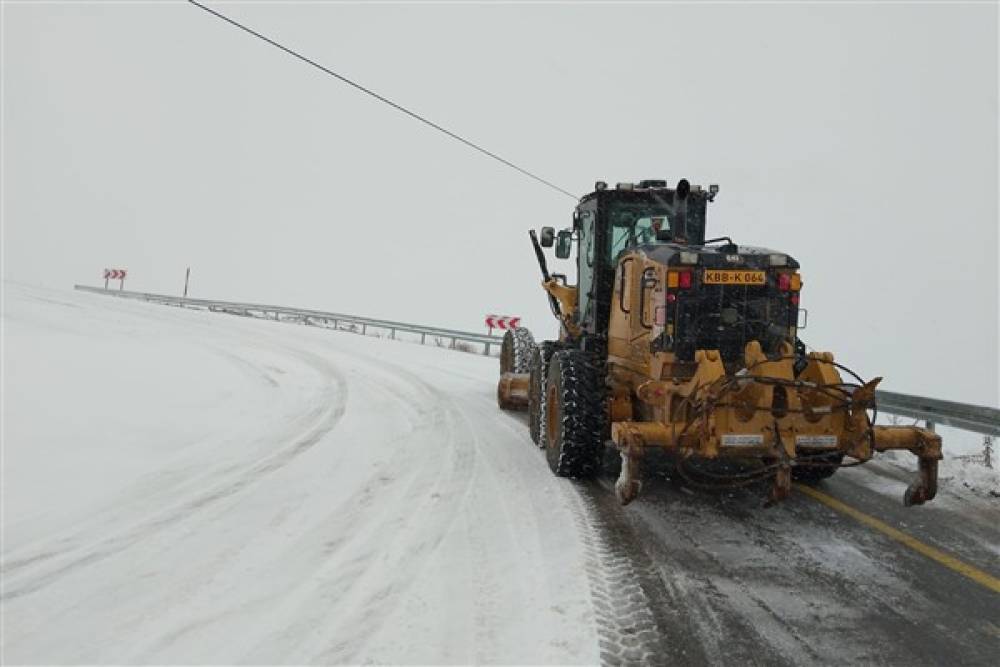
(794, 299)
(679, 279)
(789, 281)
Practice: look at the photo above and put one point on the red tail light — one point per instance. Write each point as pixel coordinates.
(794, 299)
(684, 280)
(784, 282)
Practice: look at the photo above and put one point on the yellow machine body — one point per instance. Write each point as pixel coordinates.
(733, 383)
(767, 412)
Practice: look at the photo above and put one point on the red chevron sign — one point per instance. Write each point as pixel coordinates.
(115, 274)
(502, 322)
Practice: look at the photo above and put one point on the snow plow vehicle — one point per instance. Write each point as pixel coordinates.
(678, 344)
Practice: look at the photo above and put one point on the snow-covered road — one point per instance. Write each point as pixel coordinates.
(185, 487)
(188, 487)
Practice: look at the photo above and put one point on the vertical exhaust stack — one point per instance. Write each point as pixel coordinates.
(681, 210)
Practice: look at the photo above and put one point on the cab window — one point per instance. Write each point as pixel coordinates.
(647, 228)
(621, 237)
(630, 227)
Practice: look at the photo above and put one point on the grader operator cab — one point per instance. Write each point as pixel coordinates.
(673, 342)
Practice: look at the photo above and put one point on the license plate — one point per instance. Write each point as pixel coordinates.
(816, 441)
(731, 277)
(742, 440)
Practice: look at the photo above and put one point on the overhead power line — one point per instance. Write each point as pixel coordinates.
(380, 98)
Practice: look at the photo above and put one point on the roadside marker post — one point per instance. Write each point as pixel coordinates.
(115, 274)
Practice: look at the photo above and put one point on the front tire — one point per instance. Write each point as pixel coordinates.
(575, 416)
(515, 351)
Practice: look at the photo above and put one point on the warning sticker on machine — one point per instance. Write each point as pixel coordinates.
(742, 440)
(815, 441)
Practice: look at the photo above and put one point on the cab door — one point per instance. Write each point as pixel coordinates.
(587, 258)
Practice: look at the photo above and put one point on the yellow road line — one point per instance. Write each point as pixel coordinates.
(950, 562)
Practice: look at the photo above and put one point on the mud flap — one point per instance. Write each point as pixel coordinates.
(781, 486)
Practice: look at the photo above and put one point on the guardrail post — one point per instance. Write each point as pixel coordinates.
(929, 425)
(486, 352)
(392, 334)
(453, 343)
(364, 329)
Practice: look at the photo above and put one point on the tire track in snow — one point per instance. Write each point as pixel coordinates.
(320, 421)
(365, 571)
(508, 517)
(633, 613)
(635, 619)
(419, 535)
(309, 559)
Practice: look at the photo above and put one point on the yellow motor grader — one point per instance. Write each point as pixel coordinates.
(675, 343)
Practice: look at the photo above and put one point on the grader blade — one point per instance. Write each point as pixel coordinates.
(512, 391)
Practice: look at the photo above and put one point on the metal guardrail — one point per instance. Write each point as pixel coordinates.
(975, 418)
(306, 316)
(933, 411)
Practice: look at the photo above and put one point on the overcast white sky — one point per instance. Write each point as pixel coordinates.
(861, 138)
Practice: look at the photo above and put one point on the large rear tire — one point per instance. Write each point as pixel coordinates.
(575, 417)
(515, 351)
(539, 370)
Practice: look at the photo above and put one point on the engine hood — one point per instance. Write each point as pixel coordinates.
(713, 257)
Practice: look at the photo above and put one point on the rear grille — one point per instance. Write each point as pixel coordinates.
(726, 318)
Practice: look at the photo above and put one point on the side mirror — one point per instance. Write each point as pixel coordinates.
(548, 236)
(564, 245)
